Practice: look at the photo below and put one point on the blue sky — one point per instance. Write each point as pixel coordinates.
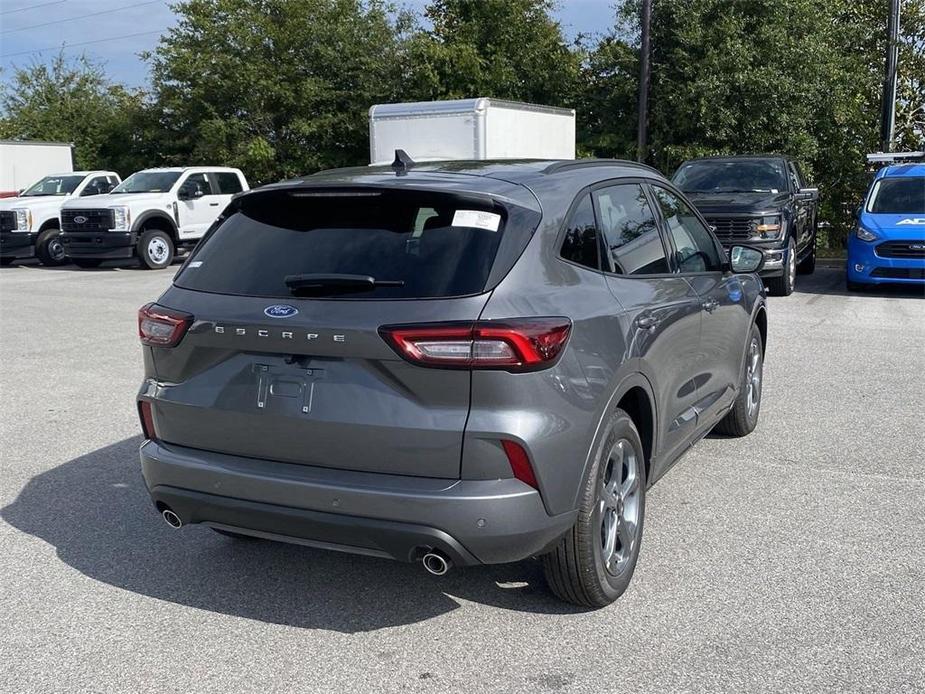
(118, 30)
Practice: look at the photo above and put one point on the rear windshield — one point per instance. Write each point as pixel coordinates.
(417, 244)
(898, 196)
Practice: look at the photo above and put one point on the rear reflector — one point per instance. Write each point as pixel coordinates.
(520, 463)
(517, 344)
(162, 327)
(147, 419)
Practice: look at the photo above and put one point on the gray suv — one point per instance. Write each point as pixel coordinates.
(451, 363)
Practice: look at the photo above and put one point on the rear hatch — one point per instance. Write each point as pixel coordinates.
(284, 359)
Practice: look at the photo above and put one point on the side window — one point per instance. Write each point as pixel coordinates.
(96, 186)
(581, 244)
(694, 248)
(631, 235)
(795, 180)
(228, 183)
(197, 185)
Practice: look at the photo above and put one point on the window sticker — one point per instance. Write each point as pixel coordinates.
(477, 219)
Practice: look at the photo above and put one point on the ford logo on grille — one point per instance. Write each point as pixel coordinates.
(80, 219)
(280, 311)
(917, 246)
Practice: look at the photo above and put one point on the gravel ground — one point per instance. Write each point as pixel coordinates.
(790, 560)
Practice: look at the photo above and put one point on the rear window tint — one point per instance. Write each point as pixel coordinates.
(228, 183)
(434, 245)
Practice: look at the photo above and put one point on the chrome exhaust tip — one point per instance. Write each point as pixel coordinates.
(436, 563)
(172, 519)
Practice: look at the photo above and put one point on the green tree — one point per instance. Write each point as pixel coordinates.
(276, 87)
(507, 49)
(74, 101)
(910, 106)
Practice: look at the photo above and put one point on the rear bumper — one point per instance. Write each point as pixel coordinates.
(394, 516)
(864, 266)
(17, 244)
(103, 245)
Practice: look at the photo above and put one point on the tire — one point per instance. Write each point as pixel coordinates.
(49, 249)
(155, 249)
(86, 263)
(808, 265)
(234, 536)
(742, 419)
(783, 285)
(592, 566)
(6, 261)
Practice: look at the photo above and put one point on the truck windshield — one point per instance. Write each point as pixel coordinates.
(898, 196)
(53, 185)
(745, 176)
(148, 182)
(364, 245)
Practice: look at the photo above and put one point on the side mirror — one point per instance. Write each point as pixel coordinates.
(184, 193)
(745, 259)
(811, 194)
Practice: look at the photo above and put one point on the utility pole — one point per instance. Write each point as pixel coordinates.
(641, 134)
(888, 107)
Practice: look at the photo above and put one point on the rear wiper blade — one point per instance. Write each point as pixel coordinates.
(318, 282)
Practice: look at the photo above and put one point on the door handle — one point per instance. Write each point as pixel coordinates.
(213, 204)
(710, 305)
(646, 322)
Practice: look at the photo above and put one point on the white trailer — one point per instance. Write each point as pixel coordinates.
(24, 163)
(465, 129)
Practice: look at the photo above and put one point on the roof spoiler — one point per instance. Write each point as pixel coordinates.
(884, 158)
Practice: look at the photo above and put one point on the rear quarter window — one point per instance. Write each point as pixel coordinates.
(426, 245)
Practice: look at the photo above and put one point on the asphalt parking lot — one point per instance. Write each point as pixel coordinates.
(790, 560)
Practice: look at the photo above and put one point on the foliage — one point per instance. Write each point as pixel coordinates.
(73, 101)
(910, 104)
(507, 49)
(275, 87)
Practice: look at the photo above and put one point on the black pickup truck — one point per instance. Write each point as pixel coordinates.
(762, 200)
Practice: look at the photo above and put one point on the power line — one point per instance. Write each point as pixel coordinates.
(83, 16)
(82, 43)
(33, 7)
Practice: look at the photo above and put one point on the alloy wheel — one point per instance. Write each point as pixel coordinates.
(753, 371)
(619, 507)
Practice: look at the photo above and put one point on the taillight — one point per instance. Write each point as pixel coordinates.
(517, 344)
(147, 419)
(162, 327)
(520, 463)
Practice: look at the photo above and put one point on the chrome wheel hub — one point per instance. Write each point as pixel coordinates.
(158, 250)
(618, 507)
(753, 369)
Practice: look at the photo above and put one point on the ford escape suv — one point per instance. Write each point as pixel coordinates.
(450, 363)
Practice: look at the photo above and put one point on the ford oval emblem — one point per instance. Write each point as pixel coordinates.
(80, 219)
(280, 311)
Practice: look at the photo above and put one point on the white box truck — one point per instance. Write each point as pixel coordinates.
(24, 163)
(466, 129)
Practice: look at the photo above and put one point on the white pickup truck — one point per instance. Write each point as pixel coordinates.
(153, 214)
(30, 222)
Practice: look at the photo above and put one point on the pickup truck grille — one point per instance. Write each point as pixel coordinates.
(87, 220)
(7, 221)
(901, 249)
(732, 228)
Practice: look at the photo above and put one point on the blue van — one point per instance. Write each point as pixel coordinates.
(888, 244)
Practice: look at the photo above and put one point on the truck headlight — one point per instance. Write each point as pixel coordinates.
(23, 219)
(768, 228)
(865, 234)
(121, 219)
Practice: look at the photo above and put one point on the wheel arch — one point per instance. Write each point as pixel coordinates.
(155, 219)
(50, 223)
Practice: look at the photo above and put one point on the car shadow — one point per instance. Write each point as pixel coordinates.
(830, 281)
(96, 512)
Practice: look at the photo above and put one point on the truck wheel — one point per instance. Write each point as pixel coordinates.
(594, 563)
(86, 262)
(783, 285)
(155, 249)
(808, 265)
(49, 249)
(743, 417)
